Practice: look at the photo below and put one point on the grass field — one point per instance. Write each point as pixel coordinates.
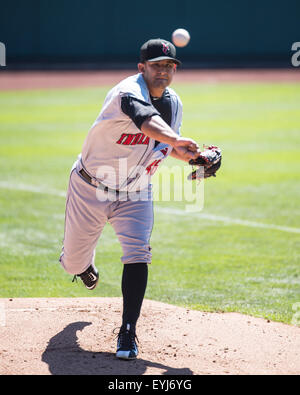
(206, 264)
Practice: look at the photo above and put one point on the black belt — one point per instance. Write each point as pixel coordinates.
(100, 185)
(86, 176)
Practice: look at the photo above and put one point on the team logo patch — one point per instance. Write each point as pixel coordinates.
(165, 48)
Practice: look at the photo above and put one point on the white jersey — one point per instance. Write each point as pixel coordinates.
(115, 151)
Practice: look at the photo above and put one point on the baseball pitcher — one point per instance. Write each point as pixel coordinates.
(136, 130)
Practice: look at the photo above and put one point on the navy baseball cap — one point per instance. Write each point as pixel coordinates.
(158, 49)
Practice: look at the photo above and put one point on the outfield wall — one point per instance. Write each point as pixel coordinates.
(228, 32)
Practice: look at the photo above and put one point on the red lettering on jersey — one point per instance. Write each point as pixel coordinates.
(121, 138)
(164, 151)
(146, 141)
(128, 139)
(133, 139)
(137, 138)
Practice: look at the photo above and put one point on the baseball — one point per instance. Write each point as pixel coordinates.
(181, 37)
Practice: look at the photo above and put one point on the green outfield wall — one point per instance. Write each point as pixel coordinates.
(84, 31)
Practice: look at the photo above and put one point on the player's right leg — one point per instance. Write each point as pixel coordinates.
(84, 220)
(89, 277)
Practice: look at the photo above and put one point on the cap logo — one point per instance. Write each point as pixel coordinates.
(165, 48)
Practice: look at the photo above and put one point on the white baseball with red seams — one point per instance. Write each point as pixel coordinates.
(181, 37)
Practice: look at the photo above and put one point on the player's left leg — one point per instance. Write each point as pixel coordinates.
(133, 222)
(134, 283)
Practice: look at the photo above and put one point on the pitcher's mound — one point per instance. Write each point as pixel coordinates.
(74, 336)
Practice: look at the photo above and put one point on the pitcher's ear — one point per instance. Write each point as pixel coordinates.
(141, 67)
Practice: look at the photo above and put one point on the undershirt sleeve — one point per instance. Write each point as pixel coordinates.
(137, 110)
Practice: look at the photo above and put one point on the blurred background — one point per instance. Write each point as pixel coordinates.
(98, 34)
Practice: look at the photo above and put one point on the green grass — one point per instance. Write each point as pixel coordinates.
(199, 263)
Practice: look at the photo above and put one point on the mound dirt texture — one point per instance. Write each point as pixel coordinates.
(74, 336)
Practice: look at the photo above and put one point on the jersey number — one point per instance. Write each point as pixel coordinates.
(151, 169)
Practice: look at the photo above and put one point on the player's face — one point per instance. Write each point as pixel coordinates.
(159, 74)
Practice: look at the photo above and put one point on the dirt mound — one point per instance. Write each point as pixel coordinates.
(75, 336)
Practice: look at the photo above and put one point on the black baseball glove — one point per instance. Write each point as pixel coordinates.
(208, 162)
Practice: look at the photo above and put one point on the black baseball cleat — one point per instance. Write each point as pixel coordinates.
(126, 345)
(89, 278)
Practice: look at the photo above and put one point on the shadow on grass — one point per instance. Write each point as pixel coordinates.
(65, 357)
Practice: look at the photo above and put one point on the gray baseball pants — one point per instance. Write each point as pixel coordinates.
(86, 216)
